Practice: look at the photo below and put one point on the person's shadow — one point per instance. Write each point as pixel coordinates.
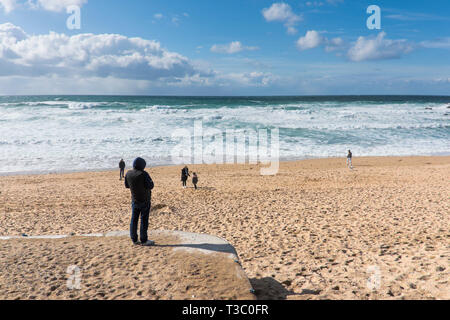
(159, 206)
(203, 188)
(222, 248)
(270, 289)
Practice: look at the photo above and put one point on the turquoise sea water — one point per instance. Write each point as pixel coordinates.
(68, 133)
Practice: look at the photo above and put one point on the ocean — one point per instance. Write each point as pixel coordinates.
(41, 134)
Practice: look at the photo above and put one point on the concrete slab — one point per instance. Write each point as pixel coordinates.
(92, 235)
(117, 233)
(189, 241)
(200, 265)
(47, 237)
(11, 237)
(204, 243)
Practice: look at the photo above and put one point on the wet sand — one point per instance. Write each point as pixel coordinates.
(316, 230)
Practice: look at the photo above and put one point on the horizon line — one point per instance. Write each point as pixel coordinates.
(225, 96)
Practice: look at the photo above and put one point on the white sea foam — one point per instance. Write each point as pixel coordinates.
(56, 135)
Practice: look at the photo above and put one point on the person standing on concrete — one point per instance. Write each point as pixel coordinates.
(141, 184)
(122, 168)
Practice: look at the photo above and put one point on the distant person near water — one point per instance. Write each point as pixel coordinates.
(349, 159)
(184, 175)
(122, 168)
(195, 180)
(141, 184)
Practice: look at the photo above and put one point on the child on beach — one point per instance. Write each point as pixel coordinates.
(349, 159)
(195, 180)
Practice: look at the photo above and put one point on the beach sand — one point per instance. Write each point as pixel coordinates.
(316, 230)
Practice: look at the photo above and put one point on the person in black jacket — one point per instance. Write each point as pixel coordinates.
(184, 175)
(140, 183)
(122, 168)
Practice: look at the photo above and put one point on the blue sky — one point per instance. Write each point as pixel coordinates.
(234, 47)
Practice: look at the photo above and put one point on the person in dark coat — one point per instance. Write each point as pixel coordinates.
(184, 175)
(122, 168)
(141, 184)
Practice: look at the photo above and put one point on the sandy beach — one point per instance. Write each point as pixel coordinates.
(316, 230)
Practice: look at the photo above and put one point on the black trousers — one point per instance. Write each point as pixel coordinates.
(139, 210)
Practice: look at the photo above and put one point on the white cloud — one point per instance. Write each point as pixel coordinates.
(335, 44)
(337, 41)
(87, 55)
(55, 5)
(254, 79)
(314, 3)
(378, 48)
(56, 63)
(335, 2)
(442, 80)
(8, 5)
(10, 33)
(282, 12)
(311, 40)
(178, 18)
(49, 5)
(320, 3)
(158, 16)
(232, 47)
(443, 43)
(314, 39)
(413, 16)
(175, 20)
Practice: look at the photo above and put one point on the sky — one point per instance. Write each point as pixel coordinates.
(233, 47)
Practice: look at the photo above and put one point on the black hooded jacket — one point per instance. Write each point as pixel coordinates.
(139, 182)
(184, 174)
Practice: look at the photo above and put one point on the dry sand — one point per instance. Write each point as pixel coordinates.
(317, 230)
